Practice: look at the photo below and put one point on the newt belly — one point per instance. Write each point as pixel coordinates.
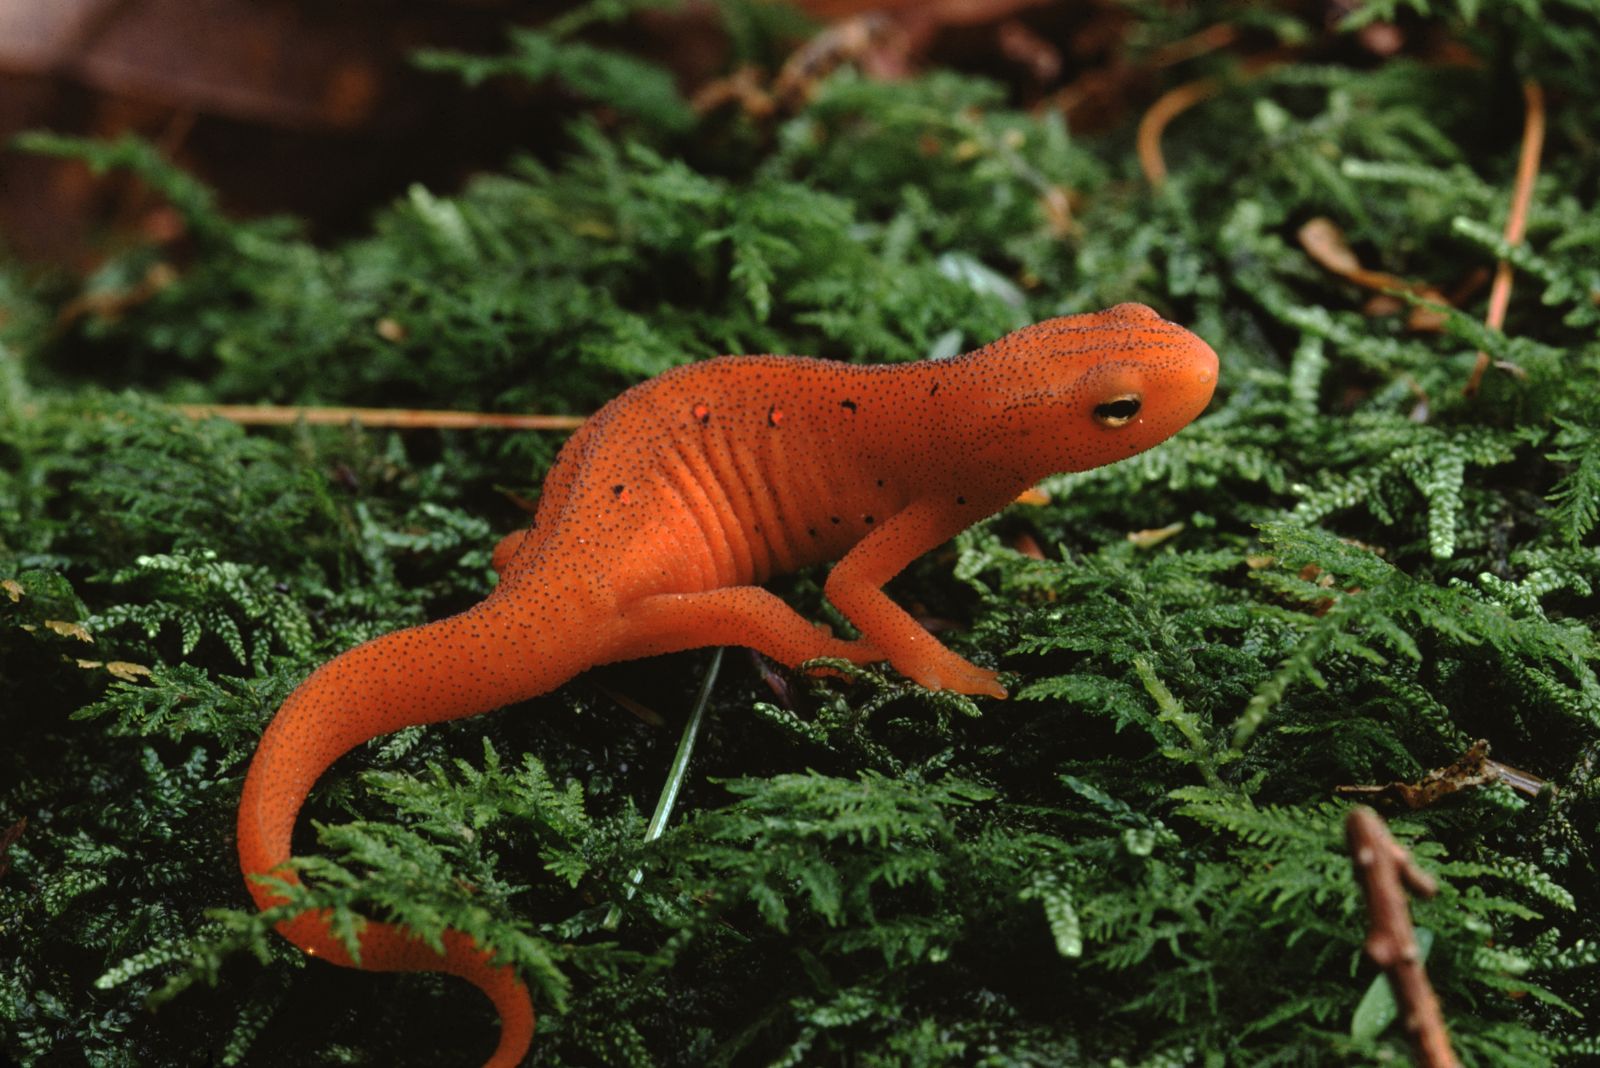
(665, 511)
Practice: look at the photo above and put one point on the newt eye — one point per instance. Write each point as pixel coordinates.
(1118, 411)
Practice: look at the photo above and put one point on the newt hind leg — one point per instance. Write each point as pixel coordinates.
(506, 548)
(735, 615)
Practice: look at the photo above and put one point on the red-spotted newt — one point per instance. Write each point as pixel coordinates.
(665, 510)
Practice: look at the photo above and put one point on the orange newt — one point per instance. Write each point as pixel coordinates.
(666, 509)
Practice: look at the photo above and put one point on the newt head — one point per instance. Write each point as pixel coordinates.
(1084, 390)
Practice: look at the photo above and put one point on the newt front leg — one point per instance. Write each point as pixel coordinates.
(856, 588)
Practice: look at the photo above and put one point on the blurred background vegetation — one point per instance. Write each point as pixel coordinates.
(1378, 547)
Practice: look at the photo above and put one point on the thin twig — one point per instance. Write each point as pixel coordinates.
(1325, 243)
(1219, 35)
(1153, 123)
(1386, 871)
(1175, 102)
(406, 418)
(1469, 771)
(1516, 221)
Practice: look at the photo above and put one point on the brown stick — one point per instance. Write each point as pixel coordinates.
(287, 415)
(1385, 871)
(1516, 221)
(1220, 35)
(1174, 102)
(1153, 123)
(1469, 771)
(1324, 242)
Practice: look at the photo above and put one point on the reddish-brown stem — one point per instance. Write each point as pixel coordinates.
(1175, 102)
(287, 415)
(1386, 871)
(1516, 220)
(1219, 35)
(1167, 107)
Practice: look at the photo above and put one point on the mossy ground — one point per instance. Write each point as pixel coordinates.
(1137, 859)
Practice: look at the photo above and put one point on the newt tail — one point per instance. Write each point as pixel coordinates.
(460, 666)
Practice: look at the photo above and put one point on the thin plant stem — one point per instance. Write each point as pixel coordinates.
(675, 775)
(1516, 220)
(288, 415)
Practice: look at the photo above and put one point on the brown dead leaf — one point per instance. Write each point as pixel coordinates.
(1149, 539)
(873, 43)
(127, 671)
(1027, 545)
(1324, 242)
(1035, 496)
(69, 630)
(1472, 769)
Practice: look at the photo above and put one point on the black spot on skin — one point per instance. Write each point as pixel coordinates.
(812, 531)
(616, 490)
(848, 405)
(934, 390)
(880, 483)
(868, 519)
(834, 520)
(961, 500)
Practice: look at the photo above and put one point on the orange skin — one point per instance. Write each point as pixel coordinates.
(664, 511)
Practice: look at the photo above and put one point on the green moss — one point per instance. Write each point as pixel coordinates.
(1136, 859)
